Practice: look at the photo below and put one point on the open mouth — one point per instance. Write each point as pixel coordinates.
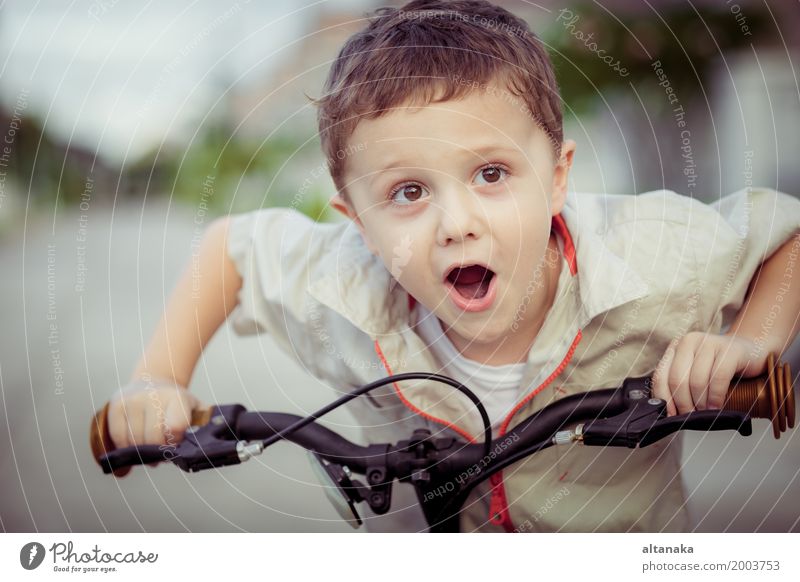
(471, 281)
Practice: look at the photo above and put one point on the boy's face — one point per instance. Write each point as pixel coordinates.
(455, 184)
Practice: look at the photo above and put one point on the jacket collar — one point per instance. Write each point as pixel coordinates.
(605, 280)
(357, 286)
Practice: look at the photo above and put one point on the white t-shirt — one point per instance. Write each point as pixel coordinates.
(496, 386)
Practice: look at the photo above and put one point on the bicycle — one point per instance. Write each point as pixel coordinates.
(625, 416)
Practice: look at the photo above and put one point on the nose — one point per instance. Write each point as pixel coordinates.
(461, 217)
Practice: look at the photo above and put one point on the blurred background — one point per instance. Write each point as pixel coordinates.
(126, 127)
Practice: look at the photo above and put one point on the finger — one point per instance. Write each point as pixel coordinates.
(661, 375)
(117, 425)
(154, 428)
(679, 375)
(177, 418)
(154, 423)
(725, 367)
(136, 420)
(700, 374)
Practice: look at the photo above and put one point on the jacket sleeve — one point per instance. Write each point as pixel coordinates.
(273, 250)
(744, 229)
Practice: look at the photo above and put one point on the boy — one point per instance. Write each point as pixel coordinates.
(465, 255)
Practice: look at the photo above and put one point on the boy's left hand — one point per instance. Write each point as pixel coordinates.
(696, 370)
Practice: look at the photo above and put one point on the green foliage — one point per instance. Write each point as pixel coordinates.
(41, 169)
(241, 171)
(687, 43)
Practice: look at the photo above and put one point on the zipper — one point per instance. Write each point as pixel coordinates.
(498, 502)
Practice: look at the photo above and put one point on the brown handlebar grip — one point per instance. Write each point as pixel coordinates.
(769, 395)
(100, 439)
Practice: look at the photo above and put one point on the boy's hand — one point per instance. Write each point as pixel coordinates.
(153, 413)
(696, 370)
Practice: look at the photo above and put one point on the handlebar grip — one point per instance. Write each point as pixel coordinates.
(101, 443)
(770, 395)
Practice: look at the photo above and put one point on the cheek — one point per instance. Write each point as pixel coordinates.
(521, 217)
(398, 249)
(523, 239)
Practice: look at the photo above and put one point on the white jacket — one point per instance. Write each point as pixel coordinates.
(641, 270)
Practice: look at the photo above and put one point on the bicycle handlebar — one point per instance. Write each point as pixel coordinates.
(625, 416)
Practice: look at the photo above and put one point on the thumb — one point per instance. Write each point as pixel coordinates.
(178, 414)
(751, 362)
(660, 378)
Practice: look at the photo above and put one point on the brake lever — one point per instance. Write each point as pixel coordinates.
(645, 422)
(705, 420)
(213, 444)
(120, 460)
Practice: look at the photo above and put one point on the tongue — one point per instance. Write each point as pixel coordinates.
(472, 282)
(473, 290)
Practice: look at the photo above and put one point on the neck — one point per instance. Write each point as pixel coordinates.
(515, 346)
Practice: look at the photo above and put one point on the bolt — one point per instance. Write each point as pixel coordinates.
(418, 476)
(636, 394)
(655, 401)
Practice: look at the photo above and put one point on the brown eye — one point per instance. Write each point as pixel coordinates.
(412, 192)
(491, 174)
(409, 193)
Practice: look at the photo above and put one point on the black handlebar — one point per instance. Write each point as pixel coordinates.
(315, 437)
(624, 416)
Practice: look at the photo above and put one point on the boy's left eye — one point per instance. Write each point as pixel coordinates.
(491, 174)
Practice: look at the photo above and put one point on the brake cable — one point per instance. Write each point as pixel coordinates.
(487, 428)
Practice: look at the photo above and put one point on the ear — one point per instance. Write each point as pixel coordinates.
(561, 176)
(345, 208)
(341, 206)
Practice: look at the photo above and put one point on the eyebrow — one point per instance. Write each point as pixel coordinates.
(480, 151)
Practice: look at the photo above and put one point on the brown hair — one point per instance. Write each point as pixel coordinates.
(433, 51)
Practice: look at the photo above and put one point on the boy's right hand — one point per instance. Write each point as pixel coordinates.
(153, 413)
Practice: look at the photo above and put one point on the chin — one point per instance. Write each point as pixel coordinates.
(484, 332)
